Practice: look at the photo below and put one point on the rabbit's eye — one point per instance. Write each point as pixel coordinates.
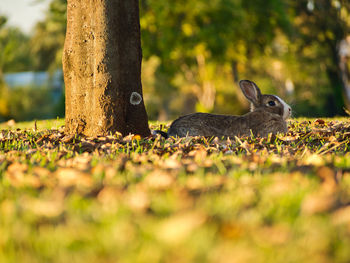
(271, 103)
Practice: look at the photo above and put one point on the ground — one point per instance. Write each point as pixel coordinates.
(284, 198)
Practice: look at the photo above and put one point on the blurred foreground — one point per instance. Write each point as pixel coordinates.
(112, 199)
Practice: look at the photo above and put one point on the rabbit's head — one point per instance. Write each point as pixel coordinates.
(269, 103)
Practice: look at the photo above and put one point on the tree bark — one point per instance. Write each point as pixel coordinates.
(344, 57)
(102, 68)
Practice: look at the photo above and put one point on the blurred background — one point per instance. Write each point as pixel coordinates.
(194, 53)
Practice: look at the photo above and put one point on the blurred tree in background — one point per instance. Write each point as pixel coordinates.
(48, 38)
(195, 51)
(287, 47)
(40, 51)
(15, 49)
(319, 27)
(204, 47)
(3, 97)
(14, 56)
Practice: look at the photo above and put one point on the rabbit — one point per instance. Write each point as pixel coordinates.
(268, 114)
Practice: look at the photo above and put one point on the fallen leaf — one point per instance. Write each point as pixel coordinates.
(41, 172)
(68, 138)
(318, 203)
(288, 138)
(314, 159)
(320, 122)
(73, 177)
(328, 177)
(136, 137)
(277, 235)
(341, 216)
(82, 162)
(11, 123)
(231, 230)
(177, 228)
(171, 163)
(138, 200)
(85, 146)
(17, 168)
(52, 207)
(109, 196)
(159, 180)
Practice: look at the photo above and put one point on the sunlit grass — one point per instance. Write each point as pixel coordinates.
(68, 198)
(30, 125)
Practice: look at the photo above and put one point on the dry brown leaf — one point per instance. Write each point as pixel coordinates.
(231, 230)
(41, 172)
(191, 167)
(138, 200)
(159, 180)
(171, 163)
(277, 235)
(85, 146)
(194, 183)
(82, 162)
(328, 177)
(341, 216)
(288, 138)
(136, 137)
(313, 159)
(128, 138)
(227, 253)
(199, 154)
(318, 203)
(109, 196)
(51, 207)
(320, 122)
(177, 228)
(17, 168)
(280, 186)
(68, 138)
(73, 177)
(16, 174)
(11, 123)
(108, 171)
(46, 208)
(31, 151)
(332, 139)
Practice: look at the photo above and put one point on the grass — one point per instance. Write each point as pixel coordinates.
(31, 125)
(285, 198)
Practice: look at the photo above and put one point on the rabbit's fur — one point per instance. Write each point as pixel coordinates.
(268, 115)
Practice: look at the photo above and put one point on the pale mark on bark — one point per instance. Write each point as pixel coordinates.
(135, 98)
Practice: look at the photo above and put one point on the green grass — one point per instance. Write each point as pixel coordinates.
(284, 198)
(41, 124)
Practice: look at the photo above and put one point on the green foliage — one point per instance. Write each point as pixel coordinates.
(195, 52)
(68, 198)
(14, 56)
(48, 39)
(42, 51)
(15, 49)
(318, 29)
(205, 48)
(198, 42)
(59, 108)
(27, 103)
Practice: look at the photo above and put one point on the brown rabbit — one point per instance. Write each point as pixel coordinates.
(268, 115)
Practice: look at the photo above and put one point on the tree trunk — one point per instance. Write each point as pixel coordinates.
(102, 68)
(344, 57)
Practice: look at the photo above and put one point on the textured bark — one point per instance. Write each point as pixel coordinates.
(102, 68)
(344, 58)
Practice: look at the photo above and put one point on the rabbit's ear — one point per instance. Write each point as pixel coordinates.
(250, 91)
